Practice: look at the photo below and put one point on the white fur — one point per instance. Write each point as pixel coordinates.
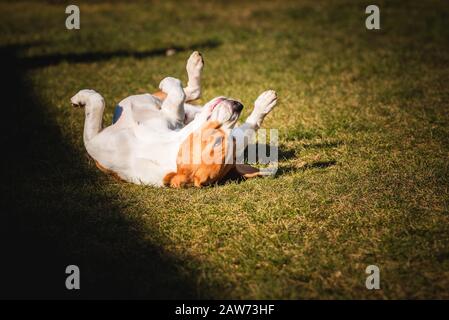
(142, 146)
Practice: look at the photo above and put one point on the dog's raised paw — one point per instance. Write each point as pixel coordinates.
(265, 102)
(195, 64)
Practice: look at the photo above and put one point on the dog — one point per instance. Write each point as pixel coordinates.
(155, 138)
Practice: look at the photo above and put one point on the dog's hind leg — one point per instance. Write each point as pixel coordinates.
(194, 68)
(173, 105)
(94, 105)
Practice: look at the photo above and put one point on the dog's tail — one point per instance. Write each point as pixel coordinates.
(94, 106)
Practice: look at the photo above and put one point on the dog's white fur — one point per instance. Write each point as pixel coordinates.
(142, 146)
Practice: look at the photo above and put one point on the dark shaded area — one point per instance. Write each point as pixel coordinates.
(53, 59)
(284, 153)
(319, 164)
(322, 145)
(308, 166)
(53, 213)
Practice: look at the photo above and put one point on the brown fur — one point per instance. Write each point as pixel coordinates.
(160, 95)
(201, 174)
(109, 172)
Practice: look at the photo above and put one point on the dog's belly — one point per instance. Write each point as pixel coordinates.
(140, 146)
(152, 162)
(138, 154)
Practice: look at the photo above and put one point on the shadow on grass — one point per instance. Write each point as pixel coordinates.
(55, 213)
(319, 164)
(48, 60)
(308, 166)
(284, 154)
(322, 145)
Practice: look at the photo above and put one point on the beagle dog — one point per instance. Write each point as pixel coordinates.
(161, 140)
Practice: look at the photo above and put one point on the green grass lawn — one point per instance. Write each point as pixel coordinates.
(363, 130)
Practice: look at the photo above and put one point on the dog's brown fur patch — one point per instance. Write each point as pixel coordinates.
(202, 173)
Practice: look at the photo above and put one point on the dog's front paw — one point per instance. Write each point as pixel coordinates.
(265, 102)
(195, 64)
(170, 84)
(262, 106)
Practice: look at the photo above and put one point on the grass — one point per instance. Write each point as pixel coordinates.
(363, 179)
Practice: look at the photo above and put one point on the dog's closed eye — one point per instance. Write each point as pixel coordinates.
(218, 141)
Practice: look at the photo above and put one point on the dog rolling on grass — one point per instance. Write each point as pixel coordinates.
(161, 140)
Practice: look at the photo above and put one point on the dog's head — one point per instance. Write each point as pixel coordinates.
(225, 111)
(205, 156)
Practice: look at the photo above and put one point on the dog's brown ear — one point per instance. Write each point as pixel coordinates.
(175, 180)
(247, 171)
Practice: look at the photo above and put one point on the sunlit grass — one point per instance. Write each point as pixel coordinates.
(363, 120)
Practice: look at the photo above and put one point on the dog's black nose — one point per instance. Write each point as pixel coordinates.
(237, 106)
